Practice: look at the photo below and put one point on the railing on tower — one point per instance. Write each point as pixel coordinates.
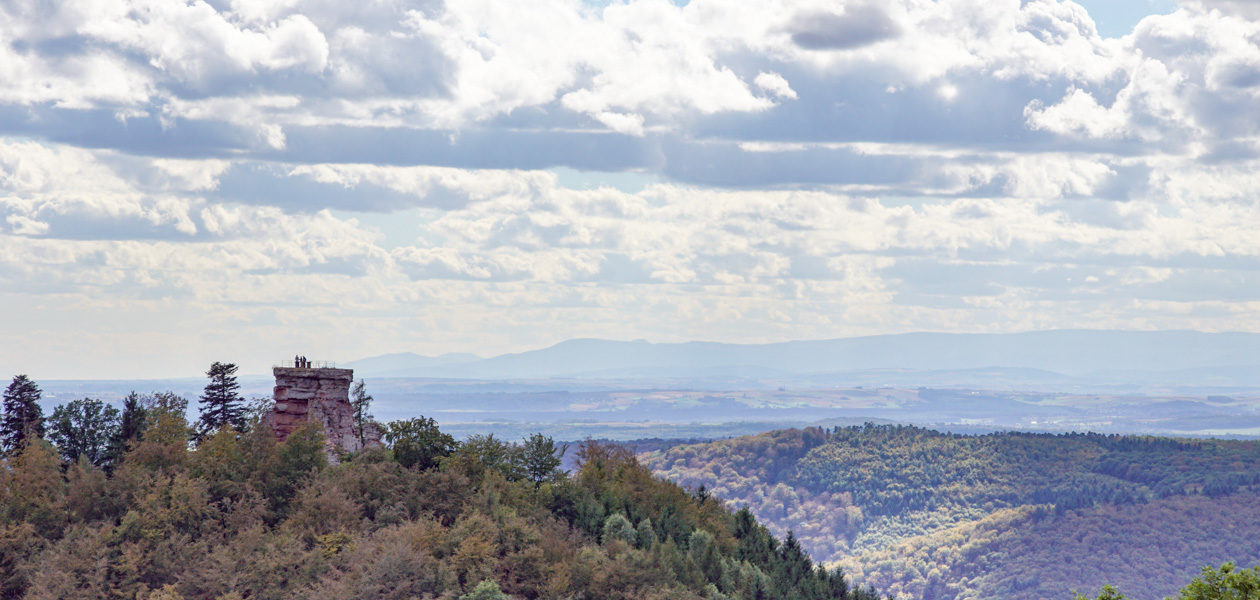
(310, 364)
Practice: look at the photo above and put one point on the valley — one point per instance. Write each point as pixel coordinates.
(924, 514)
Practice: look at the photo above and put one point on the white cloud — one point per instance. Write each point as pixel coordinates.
(815, 168)
(198, 45)
(775, 84)
(1242, 8)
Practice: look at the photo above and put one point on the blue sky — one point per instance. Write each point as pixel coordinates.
(1116, 18)
(245, 180)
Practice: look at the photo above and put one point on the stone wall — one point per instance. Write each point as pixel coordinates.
(319, 395)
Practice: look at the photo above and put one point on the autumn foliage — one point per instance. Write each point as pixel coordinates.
(240, 516)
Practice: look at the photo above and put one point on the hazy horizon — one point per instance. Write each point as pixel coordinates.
(1092, 351)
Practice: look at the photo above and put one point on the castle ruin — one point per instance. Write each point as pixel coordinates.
(321, 394)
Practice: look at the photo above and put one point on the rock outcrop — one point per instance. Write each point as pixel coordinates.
(321, 395)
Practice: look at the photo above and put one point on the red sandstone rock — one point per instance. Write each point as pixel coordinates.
(322, 396)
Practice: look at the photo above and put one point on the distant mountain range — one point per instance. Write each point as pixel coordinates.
(407, 364)
(1051, 357)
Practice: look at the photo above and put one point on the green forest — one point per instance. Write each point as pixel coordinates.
(924, 514)
(152, 507)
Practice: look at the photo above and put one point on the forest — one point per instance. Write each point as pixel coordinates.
(925, 514)
(163, 509)
(140, 503)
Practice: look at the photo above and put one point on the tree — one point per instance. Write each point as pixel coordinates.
(704, 553)
(645, 536)
(131, 425)
(164, 442)
(618, 527)
(361, 402)
(257, 410)
(35, 489)
(84, 428)
(541, 458)
(480, 452)
(486, 590)
(1226, 583)
(221, 404)
(164, 402)
(418, 442)
(1107, 593)
(23, 418)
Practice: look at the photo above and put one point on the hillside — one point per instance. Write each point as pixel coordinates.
(1020, 516)
(1021, 553)
(243, 516)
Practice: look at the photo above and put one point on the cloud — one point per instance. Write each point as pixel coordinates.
(855, 26)
(775, 84)
(316, 170)
(1242, 8)
(305, 81)
(199, 46)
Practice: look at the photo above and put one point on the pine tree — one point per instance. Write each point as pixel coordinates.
(23, 418)
(221, 404)
(360, 401)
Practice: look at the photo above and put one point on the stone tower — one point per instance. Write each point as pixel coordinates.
(320, 394)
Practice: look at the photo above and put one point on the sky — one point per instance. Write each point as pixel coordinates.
(244, 180)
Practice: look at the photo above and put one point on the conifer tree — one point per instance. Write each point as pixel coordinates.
(221, 404)
(23, 418)
(131, 426)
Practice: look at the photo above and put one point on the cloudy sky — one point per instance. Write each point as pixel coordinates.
(182, 182)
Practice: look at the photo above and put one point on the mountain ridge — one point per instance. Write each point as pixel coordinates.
(1091, 355)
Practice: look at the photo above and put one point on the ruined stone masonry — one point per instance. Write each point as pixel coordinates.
(321, 395)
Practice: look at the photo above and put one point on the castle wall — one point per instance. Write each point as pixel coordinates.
(319, 395)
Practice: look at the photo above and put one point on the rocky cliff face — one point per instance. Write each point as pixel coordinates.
(321, 396)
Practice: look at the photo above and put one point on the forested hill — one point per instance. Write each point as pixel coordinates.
(244, 517)
(1009, 515)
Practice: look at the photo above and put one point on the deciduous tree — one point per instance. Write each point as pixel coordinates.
(541, 457)
(486, 590)
(361, 402)
(84, 428)
(1226, 583)
(418, 442)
